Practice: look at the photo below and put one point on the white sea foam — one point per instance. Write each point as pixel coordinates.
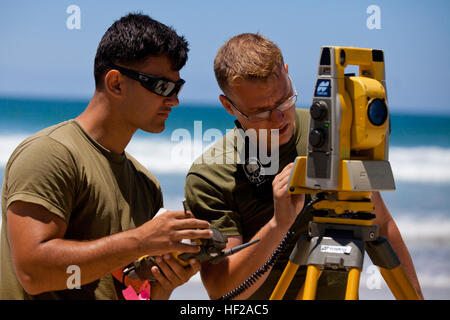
(435, 227)
(438, 281)
(421, 164)
(411, 164)
(165, 156)
(7, 145)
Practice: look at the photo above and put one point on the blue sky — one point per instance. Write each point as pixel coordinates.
(40, 56)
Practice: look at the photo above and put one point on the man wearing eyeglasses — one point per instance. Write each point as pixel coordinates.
(75, 206)
(228, 187)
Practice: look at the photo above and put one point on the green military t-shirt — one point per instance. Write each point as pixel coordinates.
(218, 190)
(96, 192)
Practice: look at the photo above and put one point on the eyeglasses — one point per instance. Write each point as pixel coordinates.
(161, 86)
(264, 115)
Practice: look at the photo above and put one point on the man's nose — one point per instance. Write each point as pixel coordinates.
(277, 116)
(172, 100)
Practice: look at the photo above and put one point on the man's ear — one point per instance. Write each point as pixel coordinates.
(226, 104)
(114, 83)
(286, 67)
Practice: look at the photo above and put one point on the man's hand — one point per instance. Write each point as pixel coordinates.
(286, 206)
(163, 234)
(173, 275)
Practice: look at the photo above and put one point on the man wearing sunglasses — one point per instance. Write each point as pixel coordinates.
(235, 195)
(75, 206)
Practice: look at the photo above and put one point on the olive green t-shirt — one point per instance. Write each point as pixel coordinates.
(95, 191)
(218, 190)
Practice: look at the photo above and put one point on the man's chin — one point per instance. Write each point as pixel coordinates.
(154, 129)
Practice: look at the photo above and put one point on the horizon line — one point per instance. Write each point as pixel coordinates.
(210, 104)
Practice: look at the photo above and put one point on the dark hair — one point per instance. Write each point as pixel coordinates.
(136, 37)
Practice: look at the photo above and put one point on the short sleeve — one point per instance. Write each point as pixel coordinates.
(207, 201)
(42, 171)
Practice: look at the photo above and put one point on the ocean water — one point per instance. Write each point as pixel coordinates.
(419, 155)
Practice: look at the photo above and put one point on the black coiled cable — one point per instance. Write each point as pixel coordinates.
(273, 258)
(258, 273)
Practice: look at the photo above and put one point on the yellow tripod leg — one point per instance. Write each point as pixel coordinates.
(399, 284)
(310, 287)
(300, 293)
(284, 281)
(353, 284)
(392, 284)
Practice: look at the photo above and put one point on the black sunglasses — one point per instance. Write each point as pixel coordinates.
(160, 86)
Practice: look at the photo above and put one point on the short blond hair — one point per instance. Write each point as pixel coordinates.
(246, 56)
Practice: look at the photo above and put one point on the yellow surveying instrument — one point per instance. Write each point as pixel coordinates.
(347, 159)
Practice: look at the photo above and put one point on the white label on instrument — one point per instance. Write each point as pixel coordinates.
(335, 249)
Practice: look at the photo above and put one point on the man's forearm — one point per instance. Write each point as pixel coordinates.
(48, 266)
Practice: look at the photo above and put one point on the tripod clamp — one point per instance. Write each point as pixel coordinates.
(333, 246)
